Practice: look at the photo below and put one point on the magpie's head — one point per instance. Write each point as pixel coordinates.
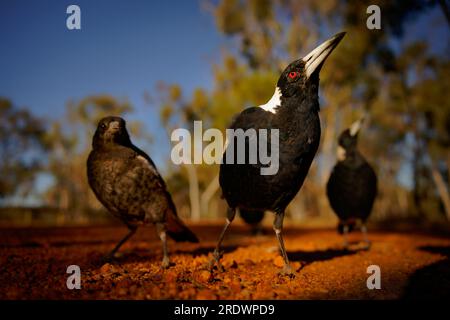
(111, 130)
(302, 75)
(348, 139)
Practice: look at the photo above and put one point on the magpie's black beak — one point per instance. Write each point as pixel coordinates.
(315, 59)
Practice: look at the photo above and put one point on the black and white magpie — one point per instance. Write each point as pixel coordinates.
(352, 186)
(126, 181)
(293, 111)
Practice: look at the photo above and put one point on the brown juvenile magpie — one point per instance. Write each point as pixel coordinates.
(352, 186)
(126, 181)
(294, 111)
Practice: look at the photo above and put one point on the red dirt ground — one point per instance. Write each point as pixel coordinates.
(33, 265)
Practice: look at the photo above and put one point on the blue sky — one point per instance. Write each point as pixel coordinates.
(123, 48)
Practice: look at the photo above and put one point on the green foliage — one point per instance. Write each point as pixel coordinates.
(22, 149)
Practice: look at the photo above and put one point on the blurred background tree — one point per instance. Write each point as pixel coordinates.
(22, 149)
(397, 81)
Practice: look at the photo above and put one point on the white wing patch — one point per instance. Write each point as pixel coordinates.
(274, 102)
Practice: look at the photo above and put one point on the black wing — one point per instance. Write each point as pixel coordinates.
(250, 121)
(236, 179)
(352, 190)
(128, 184)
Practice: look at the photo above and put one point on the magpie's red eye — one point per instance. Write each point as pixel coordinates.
(293, 74)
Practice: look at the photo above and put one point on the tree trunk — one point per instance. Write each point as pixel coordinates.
(448, 166)
(194, 194)
(442, 189)
(208, 194)
(417, 187)
(445, 10)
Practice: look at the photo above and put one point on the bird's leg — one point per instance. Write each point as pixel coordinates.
(110, 256)
(277, 227)
(257, 230)
(231, 213)
(345, 235)
(161, 229)
(366, 239)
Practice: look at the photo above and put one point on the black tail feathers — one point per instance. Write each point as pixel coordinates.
(252, 217)
(178, 231)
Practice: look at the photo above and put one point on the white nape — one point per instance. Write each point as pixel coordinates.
(274, 102)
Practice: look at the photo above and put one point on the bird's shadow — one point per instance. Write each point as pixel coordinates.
(138, 255)
(443, 250)
(432, 281)
(308, 257)
(123, 257)
(207, 250)
(56, 244)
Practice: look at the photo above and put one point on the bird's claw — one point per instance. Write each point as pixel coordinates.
(367, 246)
(346, 245)
(287, 271)
(165, 264)
(107, 258)
(215, 260)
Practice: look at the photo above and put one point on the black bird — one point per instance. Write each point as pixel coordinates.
(352, 186)
(293, 111)
(126, 181)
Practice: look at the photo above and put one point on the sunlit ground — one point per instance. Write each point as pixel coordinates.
(33, 265)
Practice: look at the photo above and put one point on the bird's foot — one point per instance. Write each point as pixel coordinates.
(258, 231)
(287, 271)
(107, 258)
(367, 245)
(215, 260)
(346, 245)
(165, 264)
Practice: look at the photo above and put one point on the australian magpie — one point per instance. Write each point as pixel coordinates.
(293, 111)
(352, 186)
(126, 181)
